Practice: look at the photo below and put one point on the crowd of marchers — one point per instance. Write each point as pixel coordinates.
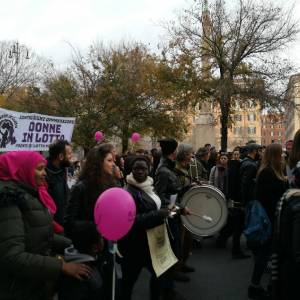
(50, 247)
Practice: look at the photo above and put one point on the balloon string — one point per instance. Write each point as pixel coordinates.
(114, 251)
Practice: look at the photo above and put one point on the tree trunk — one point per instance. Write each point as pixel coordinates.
(224, 121)
(125, 138)
(124, 144)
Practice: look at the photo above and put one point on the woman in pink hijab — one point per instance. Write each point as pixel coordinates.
(29, 168)
(27, 232)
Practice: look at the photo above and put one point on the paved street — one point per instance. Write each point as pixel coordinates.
(217, 276)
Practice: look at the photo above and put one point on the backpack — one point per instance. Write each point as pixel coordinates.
(258, 228)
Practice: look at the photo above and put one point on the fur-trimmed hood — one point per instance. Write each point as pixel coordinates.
(11, 194)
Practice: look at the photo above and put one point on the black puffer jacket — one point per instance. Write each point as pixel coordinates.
(166, 181)
(26, 241)
(135, 243)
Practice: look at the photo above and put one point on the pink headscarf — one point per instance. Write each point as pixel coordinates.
(19, 166)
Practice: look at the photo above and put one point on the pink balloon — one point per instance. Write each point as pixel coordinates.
(114, 213)
(99, 136)
(135, 137)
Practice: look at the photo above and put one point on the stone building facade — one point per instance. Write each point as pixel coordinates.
(245, 126)
(292, 114)
(272, 129)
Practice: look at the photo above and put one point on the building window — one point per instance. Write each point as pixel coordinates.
(251, 117)
(237, 130)
(279, 133)
(272, 133)
(238, 118)
(251, 130)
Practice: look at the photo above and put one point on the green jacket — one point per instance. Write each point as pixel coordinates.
(26, 241)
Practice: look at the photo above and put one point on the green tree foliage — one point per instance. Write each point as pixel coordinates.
(118, 90)
(133, 94)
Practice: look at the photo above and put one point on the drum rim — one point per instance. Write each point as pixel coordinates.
(224, 209)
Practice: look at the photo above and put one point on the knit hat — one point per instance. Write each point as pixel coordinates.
(202, 152)
(168, 146)
(253, 146)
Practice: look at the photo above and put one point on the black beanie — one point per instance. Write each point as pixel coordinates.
(168, 146)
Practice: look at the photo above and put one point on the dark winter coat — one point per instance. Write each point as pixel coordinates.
(268, 191)
(234, 180)
(80, 227)
(58, 189)
(167, 184)
(288, 249)
(248, 171)
(135, 244)
(80, 209)
(26, 241)
(166, 181)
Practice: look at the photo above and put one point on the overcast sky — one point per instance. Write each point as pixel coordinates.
(47, 26)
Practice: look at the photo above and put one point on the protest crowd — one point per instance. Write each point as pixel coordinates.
(51, 246)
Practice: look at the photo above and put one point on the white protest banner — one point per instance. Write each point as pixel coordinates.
(31, 131)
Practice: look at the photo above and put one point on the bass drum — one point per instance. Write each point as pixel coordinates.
(209, 210)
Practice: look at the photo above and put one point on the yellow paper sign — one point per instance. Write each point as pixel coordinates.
(162, 255)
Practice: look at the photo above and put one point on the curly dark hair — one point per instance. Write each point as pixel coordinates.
(93, 174)
(57, 147)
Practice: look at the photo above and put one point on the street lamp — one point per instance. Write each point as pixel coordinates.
(16, 52)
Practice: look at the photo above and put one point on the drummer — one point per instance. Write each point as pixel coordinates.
(200, 170)
(168, 187)
(184, 157)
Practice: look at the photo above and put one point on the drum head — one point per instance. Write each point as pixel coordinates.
(209, 210)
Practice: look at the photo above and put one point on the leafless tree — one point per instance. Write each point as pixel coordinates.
(237, 49)
(19, 67)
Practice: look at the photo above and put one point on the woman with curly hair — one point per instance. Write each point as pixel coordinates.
(95, 177)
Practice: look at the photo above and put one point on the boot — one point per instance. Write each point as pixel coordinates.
(258, 293)
(172, 295)
(187, 269)
(178, 276)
